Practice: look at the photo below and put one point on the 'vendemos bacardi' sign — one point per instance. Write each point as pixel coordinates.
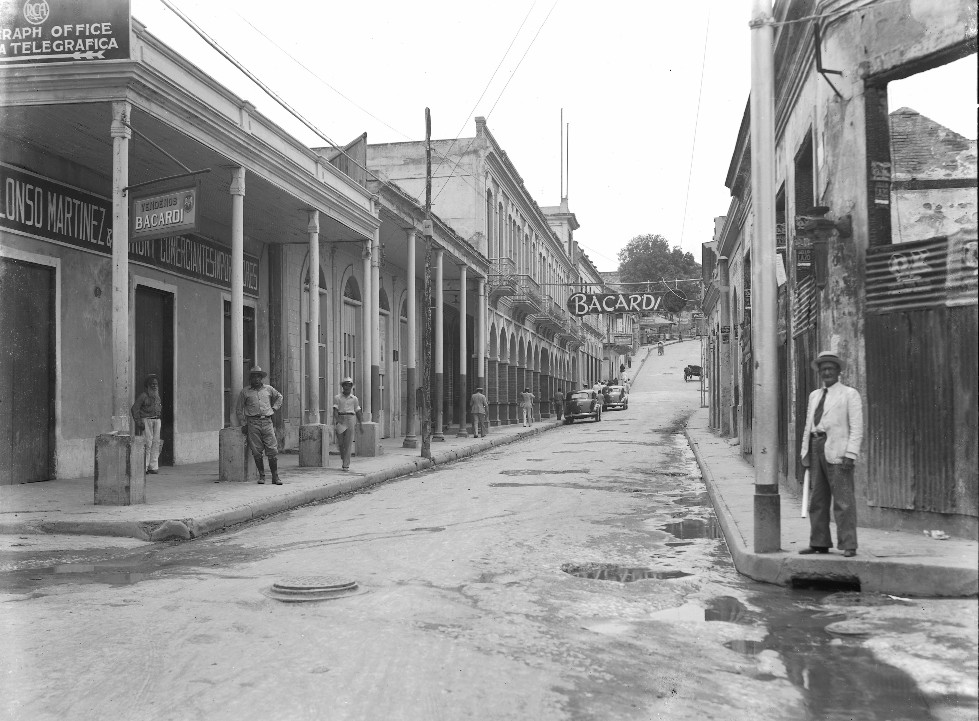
(580, 304)
(59, 31)
(163, 214)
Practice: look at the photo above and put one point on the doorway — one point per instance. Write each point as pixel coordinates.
(154, 354)
(27, 372)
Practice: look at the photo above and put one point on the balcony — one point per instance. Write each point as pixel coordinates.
(527, 299)
(552, 316)
(502, 280)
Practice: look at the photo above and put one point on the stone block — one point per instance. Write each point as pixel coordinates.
(234, 461)
(120, 462)
(314, 445)
(368, 440)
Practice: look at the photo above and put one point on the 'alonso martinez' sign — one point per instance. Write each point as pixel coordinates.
(592, 303)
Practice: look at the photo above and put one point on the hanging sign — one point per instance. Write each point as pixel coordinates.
(162, 214)
(59, 31)
(580, 304)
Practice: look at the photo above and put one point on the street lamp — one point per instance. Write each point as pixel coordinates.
(819, 231)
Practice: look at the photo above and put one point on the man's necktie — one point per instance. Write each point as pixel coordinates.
(818, 415)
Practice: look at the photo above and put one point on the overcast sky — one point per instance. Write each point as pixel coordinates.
(627, 75)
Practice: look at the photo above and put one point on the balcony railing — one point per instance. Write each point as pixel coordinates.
(502, 278)
(528, 297)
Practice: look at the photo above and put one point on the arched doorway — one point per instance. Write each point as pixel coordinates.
(351, 346)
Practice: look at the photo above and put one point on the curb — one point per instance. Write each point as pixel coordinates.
(902, 579)
(188, 528)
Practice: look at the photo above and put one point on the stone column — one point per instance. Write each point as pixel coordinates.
(120, 458)
(233, 456)
(368, 441)
(481, 314)
(314, 436)
(375, 313)
(503, 394)
(514, 388)
(439, 339)
(463, 352)
(411, 441)
(492, 392)
(538, 394)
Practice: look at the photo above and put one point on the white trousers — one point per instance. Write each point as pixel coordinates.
(151, 434)
(526, 415)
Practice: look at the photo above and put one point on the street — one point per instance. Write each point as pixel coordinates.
(577, 575)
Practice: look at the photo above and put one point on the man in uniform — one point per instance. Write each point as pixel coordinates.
(558, 400)
(346, 411)
(830, 446)
(256, 404)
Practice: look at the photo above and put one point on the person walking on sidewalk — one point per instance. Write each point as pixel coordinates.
(347, 414)
(527, 407)
(558, 400)
(830, 446)
(147, 412)
(256, 404)
(479, 406)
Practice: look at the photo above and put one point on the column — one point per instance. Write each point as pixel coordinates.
(492, 392)
(463, 352)
(724, 346)
(438, 360)
(411, 441)
(375, 315)
(119, 456)
(503, 393)
(368, 439)
(312, 334)
(538, 395)
(481, 333)
(513, 393)
(364, 388)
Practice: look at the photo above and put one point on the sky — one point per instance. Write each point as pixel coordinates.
(652, 92)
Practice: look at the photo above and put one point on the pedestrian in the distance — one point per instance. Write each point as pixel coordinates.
(347, 415)
(479, 407)
(558, 400)
(527, 407)
(147, 412)
(830, 446)
(256, 404)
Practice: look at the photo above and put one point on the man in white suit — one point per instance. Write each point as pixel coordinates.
(830, 446)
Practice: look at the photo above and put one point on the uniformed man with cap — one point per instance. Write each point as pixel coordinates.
(830, 446)
(346, 412)
(256, 404)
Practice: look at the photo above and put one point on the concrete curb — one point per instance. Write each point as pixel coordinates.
(908, 578)
(186, 528)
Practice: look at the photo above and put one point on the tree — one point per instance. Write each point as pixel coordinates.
(649, 259)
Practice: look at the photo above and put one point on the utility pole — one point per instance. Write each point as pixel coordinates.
(764, 338)
(427, 300)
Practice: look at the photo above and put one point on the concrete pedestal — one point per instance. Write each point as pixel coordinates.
(120, 462)
(314, 445)
(368, 440)
(235, 464)
(768, 523)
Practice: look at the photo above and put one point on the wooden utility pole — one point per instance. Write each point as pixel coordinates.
(427, 301)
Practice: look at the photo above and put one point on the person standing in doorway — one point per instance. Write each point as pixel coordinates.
(256, 404)
(830, 446)
(147, 412)
(558, 400)
(479, 406)
(527, 407)
(347, 415)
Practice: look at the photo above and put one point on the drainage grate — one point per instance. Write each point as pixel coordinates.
(826, 583)
(613, 572)
(313, 588)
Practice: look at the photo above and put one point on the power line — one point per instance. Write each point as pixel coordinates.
(696, 123)
(514, 72)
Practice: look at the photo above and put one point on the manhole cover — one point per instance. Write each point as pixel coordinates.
(313, 588)
(613, 572)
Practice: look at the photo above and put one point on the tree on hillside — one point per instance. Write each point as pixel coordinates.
(649, 258)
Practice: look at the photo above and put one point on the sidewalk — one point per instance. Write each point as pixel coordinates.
(894, 562)
(188, 501)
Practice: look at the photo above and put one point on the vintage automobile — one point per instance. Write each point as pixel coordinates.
(616, 399)
(690, 372)
(582, 404)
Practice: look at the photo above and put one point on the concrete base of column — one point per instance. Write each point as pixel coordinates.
(768, 523)
(410, 442)
(314, 445)
(120, 463)
(368, 440)
(234, 461)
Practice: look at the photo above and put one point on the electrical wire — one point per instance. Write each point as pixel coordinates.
(696, 123)
(870, 5)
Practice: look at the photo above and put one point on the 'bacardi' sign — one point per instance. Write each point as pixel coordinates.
(580, 304)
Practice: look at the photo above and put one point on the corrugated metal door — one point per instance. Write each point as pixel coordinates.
(27, 372)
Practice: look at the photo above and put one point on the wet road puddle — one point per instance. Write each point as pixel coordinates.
(694, 528)
(622, 574)
(541, 472)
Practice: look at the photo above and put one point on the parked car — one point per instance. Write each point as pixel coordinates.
(616, 399)
(691, 372)
(582, 404)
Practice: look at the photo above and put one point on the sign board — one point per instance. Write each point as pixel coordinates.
(59, 31)
(165, 213)
(622, 338)
(580, 304)
(46, 209)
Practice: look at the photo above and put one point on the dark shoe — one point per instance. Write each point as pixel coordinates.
(813, 549)
(849, 553)
(261, 480)
(151, 470)
(274, 467)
